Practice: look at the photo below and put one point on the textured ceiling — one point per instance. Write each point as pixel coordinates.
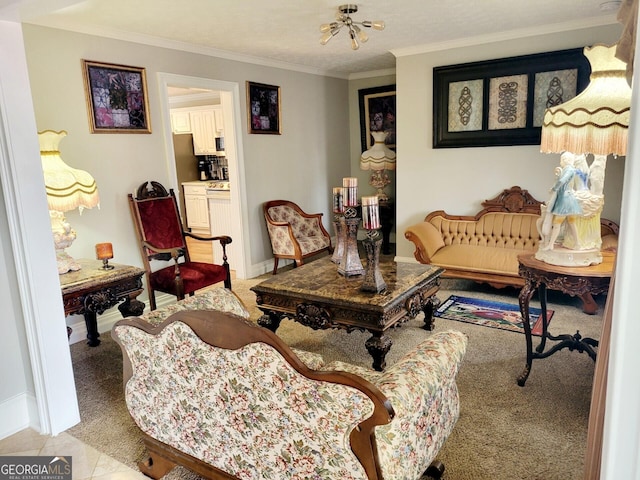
(287, 31)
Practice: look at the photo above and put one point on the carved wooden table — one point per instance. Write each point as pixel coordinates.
(92, 290)
(579, 281)
(317, 296)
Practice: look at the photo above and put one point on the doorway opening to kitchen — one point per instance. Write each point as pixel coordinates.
(221, 171)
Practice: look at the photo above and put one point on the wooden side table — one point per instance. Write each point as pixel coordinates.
(92, 290)
(579, 281)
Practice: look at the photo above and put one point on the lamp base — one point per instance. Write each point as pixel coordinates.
(566, 257)
(63, 237)
(66, 263)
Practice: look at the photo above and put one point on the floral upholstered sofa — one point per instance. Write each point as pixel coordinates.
(226, 398)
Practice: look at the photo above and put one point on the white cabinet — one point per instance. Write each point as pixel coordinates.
(197, 207)
(220, 213)
(217, 112)
(180, 121)
(204, 122)
(203, 126)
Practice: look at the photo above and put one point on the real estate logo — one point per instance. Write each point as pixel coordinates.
(35, 468)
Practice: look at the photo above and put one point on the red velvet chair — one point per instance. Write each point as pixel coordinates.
(161, 238)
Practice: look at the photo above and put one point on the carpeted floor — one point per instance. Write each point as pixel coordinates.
(505, 432)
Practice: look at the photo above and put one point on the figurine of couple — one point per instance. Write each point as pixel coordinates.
(571, 216)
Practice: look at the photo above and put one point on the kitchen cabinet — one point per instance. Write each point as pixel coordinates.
(221, 223)
(204, 122)
(197, 207)
(203, 126)
(217, 113)
(180, 121)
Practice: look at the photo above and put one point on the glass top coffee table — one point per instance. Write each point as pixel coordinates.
(317, 296)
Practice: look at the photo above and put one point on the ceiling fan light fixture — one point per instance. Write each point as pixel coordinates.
(343, 19)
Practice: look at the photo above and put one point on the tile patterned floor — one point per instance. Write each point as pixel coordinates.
(87, 462)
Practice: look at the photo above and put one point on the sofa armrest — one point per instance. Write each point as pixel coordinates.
(427, 239)
(423, 392)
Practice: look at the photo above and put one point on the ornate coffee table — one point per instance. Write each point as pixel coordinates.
(317, 296)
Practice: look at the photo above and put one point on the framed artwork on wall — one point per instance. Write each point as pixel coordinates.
(116, 98)
(377, 112)
(263, 105)
(502, 102)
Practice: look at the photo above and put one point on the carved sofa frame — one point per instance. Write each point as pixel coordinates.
(439, 230)
(184, 380)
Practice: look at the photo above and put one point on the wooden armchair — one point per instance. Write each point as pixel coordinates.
(294, 234)
(161, 238)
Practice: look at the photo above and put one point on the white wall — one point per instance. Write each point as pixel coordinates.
(37, 387)
(313, 150)
(457, 180)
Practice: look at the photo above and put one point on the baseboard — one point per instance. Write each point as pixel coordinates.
(16, 414)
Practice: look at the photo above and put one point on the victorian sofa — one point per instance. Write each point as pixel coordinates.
(485, 247)
(226, 398)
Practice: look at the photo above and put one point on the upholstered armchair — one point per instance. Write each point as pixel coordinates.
(225, 398)
(294, 234)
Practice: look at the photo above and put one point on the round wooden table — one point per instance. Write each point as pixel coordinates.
(594, 279)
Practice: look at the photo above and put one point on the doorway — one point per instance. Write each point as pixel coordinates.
(230, 101)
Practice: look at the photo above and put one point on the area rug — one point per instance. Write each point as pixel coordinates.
(488, 313)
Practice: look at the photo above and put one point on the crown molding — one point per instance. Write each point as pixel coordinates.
(505, 36)
(153, 41)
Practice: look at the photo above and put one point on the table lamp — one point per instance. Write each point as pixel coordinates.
(594, 123)
(379, 158)
(67, 189)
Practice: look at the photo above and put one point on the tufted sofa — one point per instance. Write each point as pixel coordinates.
(293, 233)
(485, 247)
(228, 399)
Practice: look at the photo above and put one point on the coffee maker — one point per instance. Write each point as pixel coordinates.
(204, 168)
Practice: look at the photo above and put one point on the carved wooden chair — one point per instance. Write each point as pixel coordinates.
(161, 238)
(294, 234)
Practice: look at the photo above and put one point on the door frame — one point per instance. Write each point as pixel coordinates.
(230, 101)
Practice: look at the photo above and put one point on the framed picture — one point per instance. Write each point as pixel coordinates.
(502, 102)
(116, 98)
(377, 112)
(263, 105)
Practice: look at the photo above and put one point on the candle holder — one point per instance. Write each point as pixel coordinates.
(350, 263)
(338, 223)
(104, 251)
(373, 281)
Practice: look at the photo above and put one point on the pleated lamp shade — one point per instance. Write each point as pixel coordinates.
(67, 188)
(597, 120)
(379, 156)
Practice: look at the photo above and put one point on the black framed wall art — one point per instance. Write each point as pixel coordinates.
(502, 102)
(116, 98)
(377, 113)
(263, 104)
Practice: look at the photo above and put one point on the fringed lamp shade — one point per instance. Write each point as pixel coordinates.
(67, 188)
(379, 156)
(597, 120)
(378, 159)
